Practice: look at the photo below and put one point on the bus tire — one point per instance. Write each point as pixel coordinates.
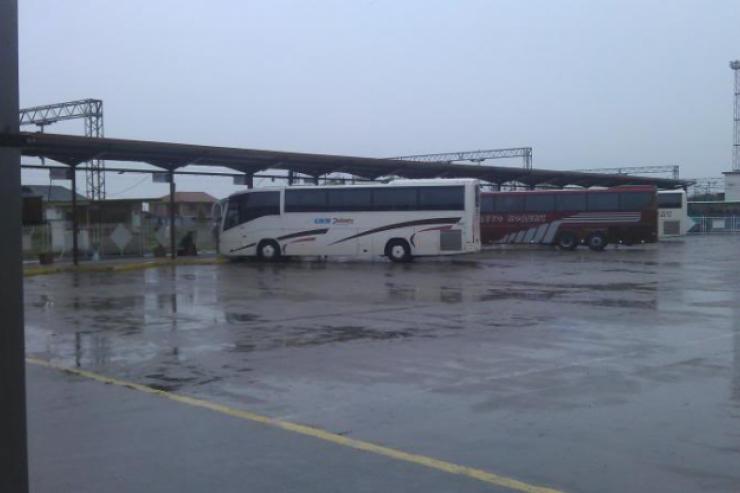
(567, 241)
(268, 250)
(398, 250)
(597, 241)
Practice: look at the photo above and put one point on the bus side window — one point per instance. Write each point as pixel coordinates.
(486, 205)
(442, 198)
(635, 201)
(540, 202)
(305, 200)
(356, 199)
(258, 204)
(603, 201)
(232, 213)
(509, 203)
(570, 201)
(395, 199)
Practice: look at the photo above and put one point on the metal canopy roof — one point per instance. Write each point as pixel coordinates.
(73, 150)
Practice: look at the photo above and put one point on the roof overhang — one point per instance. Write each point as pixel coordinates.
(74, 150)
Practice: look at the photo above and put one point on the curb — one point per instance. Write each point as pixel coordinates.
(128, 267)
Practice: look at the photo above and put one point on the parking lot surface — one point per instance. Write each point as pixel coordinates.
(580, 371)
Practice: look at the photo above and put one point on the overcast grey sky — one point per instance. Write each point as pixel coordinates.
(585, 83)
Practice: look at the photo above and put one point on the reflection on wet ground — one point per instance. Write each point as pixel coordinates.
(629, 359)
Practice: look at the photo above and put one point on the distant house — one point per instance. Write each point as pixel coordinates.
(188, 205)
(140, 223)
(56, 201)
(51, 193)
(127, 211)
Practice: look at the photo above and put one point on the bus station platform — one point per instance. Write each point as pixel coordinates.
(88, 437)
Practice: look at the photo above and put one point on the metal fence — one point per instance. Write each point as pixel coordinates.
(708, 224)
(151, 237)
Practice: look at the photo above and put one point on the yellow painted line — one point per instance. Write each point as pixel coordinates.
(125, 267)
(422, 460)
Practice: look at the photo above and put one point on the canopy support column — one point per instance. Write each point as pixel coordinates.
(173, 246)
(75, 224)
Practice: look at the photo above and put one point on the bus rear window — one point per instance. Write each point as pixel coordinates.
(670, 200)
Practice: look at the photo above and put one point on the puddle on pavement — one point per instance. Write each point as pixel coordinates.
(508, 294)
(236, 317)
(315, 336)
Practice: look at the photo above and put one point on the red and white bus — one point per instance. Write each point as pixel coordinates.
(568, 218)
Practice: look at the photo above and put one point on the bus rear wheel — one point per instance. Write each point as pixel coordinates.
(268, 250)
(597, 242)
(398, 251)
(567, 241)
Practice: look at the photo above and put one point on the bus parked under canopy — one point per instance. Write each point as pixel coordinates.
(399, 220)
(567, 218)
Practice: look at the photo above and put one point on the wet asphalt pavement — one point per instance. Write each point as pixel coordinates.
(612, 371)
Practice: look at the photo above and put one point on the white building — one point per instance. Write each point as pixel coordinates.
(732, 186)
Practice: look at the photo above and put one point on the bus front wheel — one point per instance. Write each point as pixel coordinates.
(596, 242)
(567, 241)
(398, 251)
(268, 250)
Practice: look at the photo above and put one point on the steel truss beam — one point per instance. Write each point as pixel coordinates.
(91, 110)
(474, 156)
(636, 170)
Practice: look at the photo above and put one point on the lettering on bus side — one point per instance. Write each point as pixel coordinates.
(491, 219)
(526, 218)
(340, 221)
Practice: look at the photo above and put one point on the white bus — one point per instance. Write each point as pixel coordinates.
(673, 214)
(399, 220)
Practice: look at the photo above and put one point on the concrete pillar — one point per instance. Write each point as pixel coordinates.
(13, 448)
